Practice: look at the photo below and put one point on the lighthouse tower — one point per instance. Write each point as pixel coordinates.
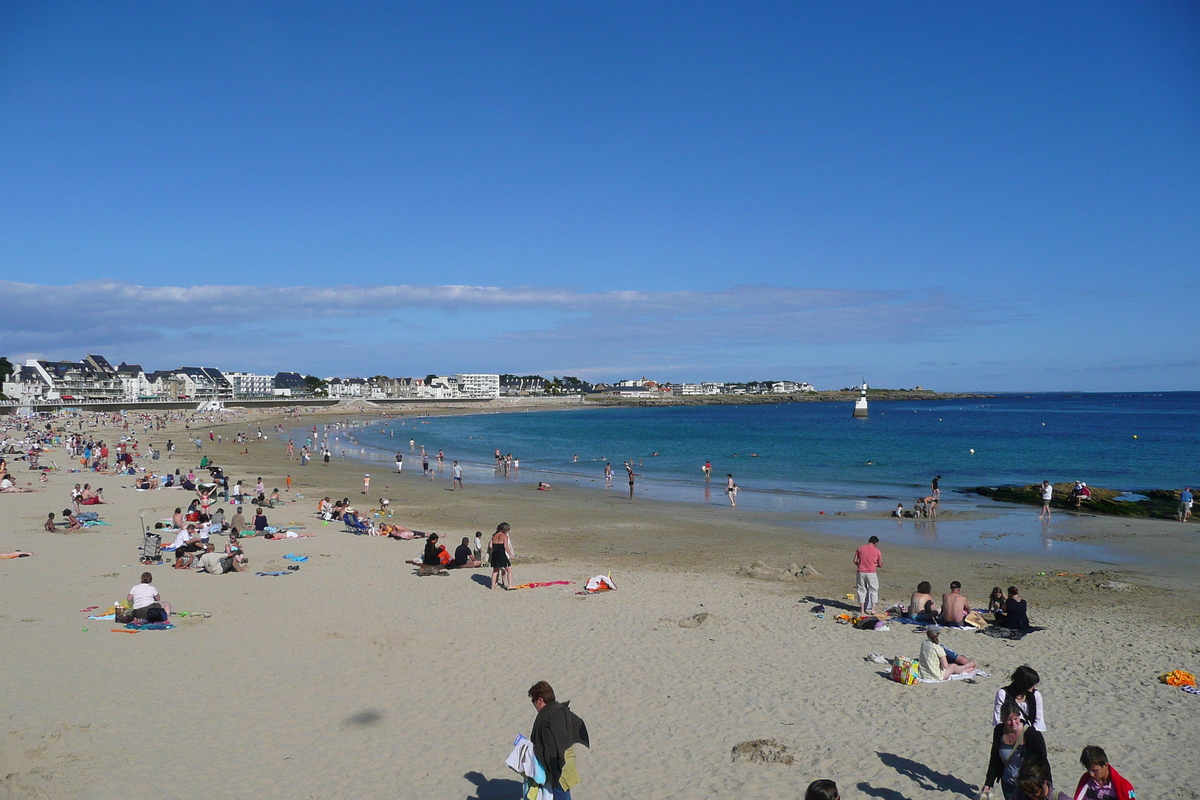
(860, 405)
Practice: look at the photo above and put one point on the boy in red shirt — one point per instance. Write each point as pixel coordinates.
(1101, 781)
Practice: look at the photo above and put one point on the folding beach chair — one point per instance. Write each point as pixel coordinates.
(355, 525)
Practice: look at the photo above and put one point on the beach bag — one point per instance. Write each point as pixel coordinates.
(904, 671)
(975, 620)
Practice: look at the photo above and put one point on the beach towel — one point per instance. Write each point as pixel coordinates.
(997, 632)
(105, 616)
(542, 584)
(153, 626)
(294, 557)
(272, 574)
(959, 677)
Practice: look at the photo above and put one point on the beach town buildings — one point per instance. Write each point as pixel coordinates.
(191, 383)
(348, 387)
(248, 386)
(522, 385)
(135, 383)
(40, 380)
(290, 384)
(791, 387)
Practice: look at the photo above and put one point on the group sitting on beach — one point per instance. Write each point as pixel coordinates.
(1009, 611)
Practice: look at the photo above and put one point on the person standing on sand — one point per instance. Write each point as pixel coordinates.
(731, 489)
(399, 463)
(868, 560)
(556, 731)
(366, 484)
(1047, 496)
(500, 555)
(1185, 504)
(608, 475)
(457, 472)
(629, 469)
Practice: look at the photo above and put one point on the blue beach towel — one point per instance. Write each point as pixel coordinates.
(153, 626)
(294, 557)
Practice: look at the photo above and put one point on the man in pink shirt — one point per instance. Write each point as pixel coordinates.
(868, 559)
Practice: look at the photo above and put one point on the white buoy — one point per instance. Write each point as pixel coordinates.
(972, 451)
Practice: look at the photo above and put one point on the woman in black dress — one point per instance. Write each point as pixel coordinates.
(501, 552)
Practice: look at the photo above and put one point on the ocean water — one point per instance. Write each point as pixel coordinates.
(810, 457)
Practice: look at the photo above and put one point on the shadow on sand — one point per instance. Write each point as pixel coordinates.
(493, 788)
(883, 794)
(928, 779)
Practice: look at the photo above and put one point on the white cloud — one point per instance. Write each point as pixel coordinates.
(307, 327)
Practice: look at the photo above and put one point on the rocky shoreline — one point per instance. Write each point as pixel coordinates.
(1158, 503)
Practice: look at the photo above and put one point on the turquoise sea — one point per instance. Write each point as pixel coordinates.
(813, 457)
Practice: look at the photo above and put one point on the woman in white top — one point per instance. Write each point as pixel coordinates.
(144, 597)
(1022, 689)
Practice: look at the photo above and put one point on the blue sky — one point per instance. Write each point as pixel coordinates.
(963, 196)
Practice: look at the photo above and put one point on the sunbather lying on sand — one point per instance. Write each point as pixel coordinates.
(8, 485)
(398, 531)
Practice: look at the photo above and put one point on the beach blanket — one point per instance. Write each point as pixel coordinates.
(997, 632)
(542, 584)
(105, 616)
(272, 574)
(96, 523)
(962, 676)
(294, 557)
(153, 626)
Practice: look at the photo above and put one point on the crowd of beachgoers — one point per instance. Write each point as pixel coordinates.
(142, 446)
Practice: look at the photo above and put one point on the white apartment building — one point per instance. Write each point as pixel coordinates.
(478, 385)
(247, 384)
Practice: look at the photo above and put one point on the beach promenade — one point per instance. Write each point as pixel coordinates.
(352, 677)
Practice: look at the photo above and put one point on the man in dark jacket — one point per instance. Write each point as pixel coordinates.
(556, 729)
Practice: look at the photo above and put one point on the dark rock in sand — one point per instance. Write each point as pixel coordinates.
(762, 751)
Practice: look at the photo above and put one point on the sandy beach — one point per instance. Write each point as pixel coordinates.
(352, 677)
